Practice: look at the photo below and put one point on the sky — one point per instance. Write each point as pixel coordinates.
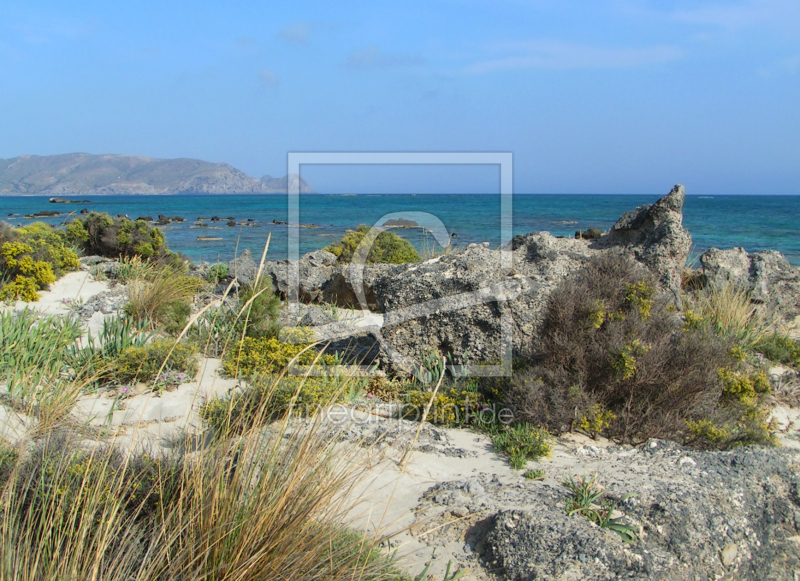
(595, 96)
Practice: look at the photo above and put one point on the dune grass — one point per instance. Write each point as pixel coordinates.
(255, 503)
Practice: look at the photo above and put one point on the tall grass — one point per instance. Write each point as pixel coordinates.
(153, 298)
(260, 504)
(732, 314)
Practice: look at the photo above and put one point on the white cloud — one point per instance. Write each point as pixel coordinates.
(268, 78)
(296, 33)
(373, 57)
(560, 55)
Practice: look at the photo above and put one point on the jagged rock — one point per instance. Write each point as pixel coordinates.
(323, 281)
(656, 237)
(767, 275)
(454, 304)
(243, 267)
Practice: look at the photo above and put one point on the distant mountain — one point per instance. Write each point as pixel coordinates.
(81, 174)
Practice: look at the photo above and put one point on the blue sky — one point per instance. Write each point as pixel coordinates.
(590, 96)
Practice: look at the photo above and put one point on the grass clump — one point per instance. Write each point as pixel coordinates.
(588, 500)
(613, 358)
(534, 474)
(35, 349)
(162, 298)
(521, 443)
(387, 247)
(730, 313)
(270, 397)
(74, 509)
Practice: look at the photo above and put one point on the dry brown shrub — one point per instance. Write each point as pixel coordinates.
(609, 342)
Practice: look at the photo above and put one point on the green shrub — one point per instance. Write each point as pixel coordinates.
(50, 245)
(452, 406)
(521, 443)
(534, 474)
(742, 418)
(388, 247)
(143, 363)
(262, 316)
(115, 237)
(31, 258)
(29, 264)
(217, 272)
(267, 355)
(779, 348)
(613, 358)
(271, 396)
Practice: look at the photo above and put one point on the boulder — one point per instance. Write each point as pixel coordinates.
(322, 280)
(768, 277)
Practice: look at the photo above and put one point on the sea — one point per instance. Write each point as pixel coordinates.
(752, 222)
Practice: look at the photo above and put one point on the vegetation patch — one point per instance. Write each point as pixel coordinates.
(452, 406)
(614, 359)
(387, 247)
(119, 237)
(257, 356)
(590, 500)
(271, 397)
(521, 443)
(143, 363)
(31, 258)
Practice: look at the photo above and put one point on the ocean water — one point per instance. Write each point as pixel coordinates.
(753, 222)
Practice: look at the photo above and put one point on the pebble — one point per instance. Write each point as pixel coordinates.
(729, 554)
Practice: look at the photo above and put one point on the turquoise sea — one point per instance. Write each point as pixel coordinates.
(753, 222)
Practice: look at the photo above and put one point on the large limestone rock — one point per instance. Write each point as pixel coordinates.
(767, 275)
(322, 280)
(656, 237)
(455, 304)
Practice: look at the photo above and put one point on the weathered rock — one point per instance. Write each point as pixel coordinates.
(656, 237)
(724, 513)
(455, 304)
(108, 302)
(321, 280)
(767, 275)
(243, 267)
